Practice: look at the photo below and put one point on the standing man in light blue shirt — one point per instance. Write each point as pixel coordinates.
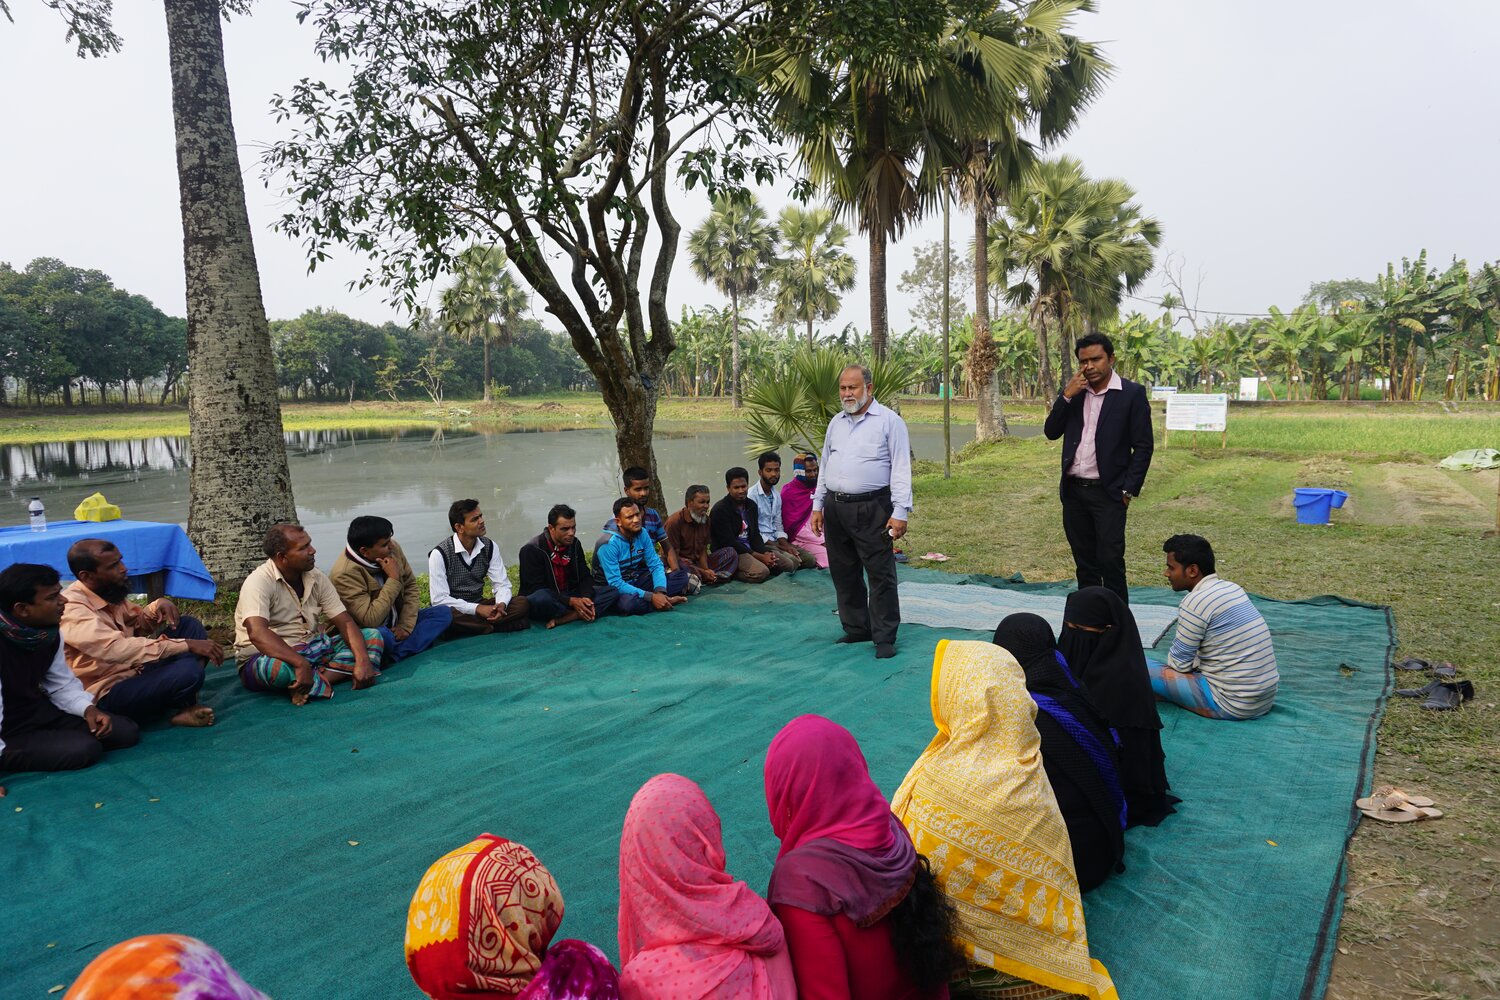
(863, 501)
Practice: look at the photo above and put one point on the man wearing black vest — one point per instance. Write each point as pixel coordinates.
(457, 568)
(1105, 423)
(48, 722)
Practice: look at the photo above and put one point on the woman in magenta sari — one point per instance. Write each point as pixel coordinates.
(796, 508)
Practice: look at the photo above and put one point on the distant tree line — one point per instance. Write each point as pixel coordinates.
(68, 335)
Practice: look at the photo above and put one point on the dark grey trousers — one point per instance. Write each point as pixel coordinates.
(859, 547)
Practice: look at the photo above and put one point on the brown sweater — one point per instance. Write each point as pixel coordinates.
(689, 538)
(369, 599)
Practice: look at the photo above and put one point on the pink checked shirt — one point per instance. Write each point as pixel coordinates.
(1085, 461)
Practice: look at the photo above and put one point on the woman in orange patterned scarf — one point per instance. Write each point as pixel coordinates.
(161, 966)
(480, 925)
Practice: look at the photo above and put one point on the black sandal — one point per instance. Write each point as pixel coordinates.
(1412, 663)
(1449, 696)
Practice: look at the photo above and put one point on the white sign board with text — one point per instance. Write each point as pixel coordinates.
(1197, 411)
(1162, 391)
(1250, 388)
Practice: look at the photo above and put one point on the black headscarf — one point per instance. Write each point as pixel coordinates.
(1111, 665)
(1079, 751)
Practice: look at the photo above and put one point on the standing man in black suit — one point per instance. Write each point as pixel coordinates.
(1105, 423)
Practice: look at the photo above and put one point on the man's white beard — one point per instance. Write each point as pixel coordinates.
(697, 517)
(853, 407)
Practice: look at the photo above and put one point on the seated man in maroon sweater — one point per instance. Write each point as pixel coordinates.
(555, 577)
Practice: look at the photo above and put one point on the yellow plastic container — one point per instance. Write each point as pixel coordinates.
(96, 508)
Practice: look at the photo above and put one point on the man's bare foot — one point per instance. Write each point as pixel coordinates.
(563, 619)
(300, 697)
(195, 716)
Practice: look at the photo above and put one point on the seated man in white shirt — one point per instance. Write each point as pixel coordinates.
(767, 500)
(457, 568)
(48, 722)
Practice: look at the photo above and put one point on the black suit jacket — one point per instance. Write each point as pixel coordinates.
(535, 563)
(1122, 441)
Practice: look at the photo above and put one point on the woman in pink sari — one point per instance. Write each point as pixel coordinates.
(796, 508)
(689, 930)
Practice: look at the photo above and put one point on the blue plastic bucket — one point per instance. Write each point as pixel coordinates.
(1314, 504)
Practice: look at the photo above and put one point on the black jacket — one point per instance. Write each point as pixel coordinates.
(724, 525)
(1122, 441)
(535, 562)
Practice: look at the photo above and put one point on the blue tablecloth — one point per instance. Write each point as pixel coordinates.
(147, 547)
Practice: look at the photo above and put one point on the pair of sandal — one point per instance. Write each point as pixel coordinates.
(1441, 696)
(1442, 668)
(1392, 805)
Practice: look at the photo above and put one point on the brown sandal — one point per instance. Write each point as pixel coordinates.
(1392, 805)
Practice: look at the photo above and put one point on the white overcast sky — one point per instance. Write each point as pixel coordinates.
(1278, 143)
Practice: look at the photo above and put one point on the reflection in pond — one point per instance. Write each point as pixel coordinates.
(409, 476)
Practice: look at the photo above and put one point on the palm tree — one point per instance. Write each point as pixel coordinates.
(731, 250)
(813, 269)
(1070, 241)
(882, 131)
(1075, 75)
(485, 302)
(793, 410)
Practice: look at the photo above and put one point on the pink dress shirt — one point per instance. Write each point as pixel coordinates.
(1085, 461)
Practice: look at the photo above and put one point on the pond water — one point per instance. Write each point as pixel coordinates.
(409, 476)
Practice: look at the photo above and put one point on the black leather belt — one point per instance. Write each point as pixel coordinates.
(879, 494)
(1083, 482)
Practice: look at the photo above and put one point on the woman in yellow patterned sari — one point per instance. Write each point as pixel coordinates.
(978, 805)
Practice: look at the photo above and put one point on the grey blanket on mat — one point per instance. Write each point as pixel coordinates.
(944, 605)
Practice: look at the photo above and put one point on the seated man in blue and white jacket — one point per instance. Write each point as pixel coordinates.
(629, 578)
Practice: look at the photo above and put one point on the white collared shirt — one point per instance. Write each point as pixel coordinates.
(768, 503)
(437, 576)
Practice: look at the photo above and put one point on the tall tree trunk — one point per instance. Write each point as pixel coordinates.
(1064, 349)
(734, 326)
(486, 341)
(809, 333)
(239, 484)
(1046, 389)
(877, 294)
(983, 362)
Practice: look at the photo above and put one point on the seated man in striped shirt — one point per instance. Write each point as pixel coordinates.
(1222, 664)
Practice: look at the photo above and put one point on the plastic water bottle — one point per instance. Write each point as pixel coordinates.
(38, 514)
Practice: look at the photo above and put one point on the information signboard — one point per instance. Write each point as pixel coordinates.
(1197, 411)
(1250, 388)
(1162, 391)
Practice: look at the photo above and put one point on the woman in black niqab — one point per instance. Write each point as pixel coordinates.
(1102, 645)
(1079, 751)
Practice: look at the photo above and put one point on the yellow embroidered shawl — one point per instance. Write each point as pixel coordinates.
(978, 805)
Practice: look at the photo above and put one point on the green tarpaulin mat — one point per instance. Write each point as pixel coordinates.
(291, 839)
